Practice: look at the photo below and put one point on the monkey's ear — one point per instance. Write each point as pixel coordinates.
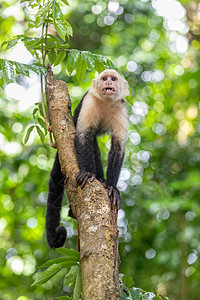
(94, 83)
(125, 89)
(94, 87)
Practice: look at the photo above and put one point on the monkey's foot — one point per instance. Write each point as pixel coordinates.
(114, 196)
(83, 176)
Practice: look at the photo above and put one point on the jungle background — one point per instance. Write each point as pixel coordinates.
(156, 46)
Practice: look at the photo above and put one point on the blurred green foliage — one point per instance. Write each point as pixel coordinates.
(159, 219)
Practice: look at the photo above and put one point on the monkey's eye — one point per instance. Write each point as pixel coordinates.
(104, 78)
(113, 78)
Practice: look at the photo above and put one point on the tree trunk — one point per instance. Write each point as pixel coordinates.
(91, 206)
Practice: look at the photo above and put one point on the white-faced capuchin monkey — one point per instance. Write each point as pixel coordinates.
(101, 110)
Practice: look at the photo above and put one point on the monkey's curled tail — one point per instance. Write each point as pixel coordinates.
(55, 234)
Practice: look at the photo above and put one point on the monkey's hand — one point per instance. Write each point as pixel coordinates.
(114, 195)
(83, 176)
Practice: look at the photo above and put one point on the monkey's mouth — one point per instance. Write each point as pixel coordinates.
(108, 91)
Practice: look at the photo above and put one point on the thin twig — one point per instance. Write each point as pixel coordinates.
(41, 83)
(45, 42)
(44, 53)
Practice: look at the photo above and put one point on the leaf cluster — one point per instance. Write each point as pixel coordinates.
(70, 261)
(83, 60)
(39, 124)
(8, 67)
(131, 293)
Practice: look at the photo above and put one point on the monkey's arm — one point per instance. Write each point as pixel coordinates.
(85, 153)
(55, 234)
(115, 160)
(98, 162)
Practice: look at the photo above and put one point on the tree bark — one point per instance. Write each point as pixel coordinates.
(91, 206)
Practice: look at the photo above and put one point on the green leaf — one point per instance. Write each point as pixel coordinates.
(9, 44)
(52, 57)
(47, 274)
(53, 42)
(64, 298)
(8, 71)
(12, 42)
(64, 46)
(73, 57)
(147, 296)
(135, 293)
(21, 68)
(69, 253)
(51, 271)
(66, 2)
(81, 68)
(31, 43)
(78, 287)
(69, 67)
(89, 59)
(69, 29)
(40, 133)
(69, 262)
(99, 66)
(57, 13)
(70, 277)
(36, 109)
(39, 104)
(59, 58)
(28, 132)
(111, 65)
(101, 63)
(127, 281)
(37, 69)
(124, 293)
(42, 13)
(42, 124)
(62, 27)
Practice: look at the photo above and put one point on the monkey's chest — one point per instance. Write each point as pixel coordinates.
(98, 116)
(106, 120)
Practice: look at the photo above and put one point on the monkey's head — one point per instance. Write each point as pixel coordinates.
(110, 85)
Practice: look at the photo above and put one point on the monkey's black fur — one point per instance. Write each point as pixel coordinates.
(56, 234)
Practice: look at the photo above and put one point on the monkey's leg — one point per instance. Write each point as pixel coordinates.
(85, 152)
(115, 160)
(55, 234)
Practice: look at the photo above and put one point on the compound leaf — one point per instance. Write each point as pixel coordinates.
(8, 71)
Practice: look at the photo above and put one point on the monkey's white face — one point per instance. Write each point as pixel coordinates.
(110, 85)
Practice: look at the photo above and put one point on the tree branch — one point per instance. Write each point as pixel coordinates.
(91, 206)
